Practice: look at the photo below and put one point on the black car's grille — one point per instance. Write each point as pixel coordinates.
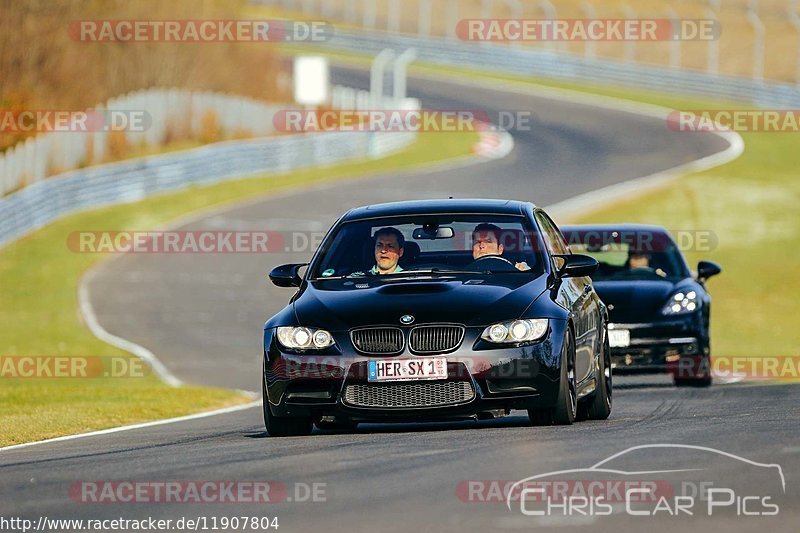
(378, 340)
(435, 339)
(409, 395)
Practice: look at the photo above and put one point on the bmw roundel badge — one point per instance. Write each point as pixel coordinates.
(406, 319)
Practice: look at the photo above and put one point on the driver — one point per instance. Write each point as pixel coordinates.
(486, 242)
(639, 260)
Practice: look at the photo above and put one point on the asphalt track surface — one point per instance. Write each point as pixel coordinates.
(202, 316)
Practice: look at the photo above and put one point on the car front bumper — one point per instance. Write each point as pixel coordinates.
(481, 379)
(658, 346)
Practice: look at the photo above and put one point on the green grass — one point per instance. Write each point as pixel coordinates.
(750, 204)
(40, 313)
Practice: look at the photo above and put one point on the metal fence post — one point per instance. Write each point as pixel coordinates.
(452, 19)
(549, 13)
(400, 71)
(675, 44)
(393, 16)
(424, 18)
(712, 65)
(630, 44)
(795, 20)
(4, 188)
(369, 15)
(486, 9)
(376, 74)
(516, 13)
(350, 11)
(590, 46)
(758, 44)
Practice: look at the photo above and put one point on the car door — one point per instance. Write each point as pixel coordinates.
(582, 302)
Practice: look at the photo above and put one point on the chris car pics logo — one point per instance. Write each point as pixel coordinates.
(663, 480)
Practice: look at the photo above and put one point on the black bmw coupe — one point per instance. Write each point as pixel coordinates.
(437, 310)
(659, 310)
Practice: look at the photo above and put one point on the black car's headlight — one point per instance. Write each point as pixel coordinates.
(300, 338)
(681, 302)
(512, 331)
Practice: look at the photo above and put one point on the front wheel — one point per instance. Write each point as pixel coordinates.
(566, 408)
(698, 373)
(278, 426)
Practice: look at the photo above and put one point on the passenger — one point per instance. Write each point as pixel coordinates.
(389, 243)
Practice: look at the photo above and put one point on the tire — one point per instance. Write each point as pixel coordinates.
(283, 426)
(599, 406)
(693, 382)
(704, 381)
(565, 411)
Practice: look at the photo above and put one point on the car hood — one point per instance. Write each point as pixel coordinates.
(340, 305)
(636, 300)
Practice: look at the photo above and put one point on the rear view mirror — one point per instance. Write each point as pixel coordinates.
(431, 233)
(287, 275)
(577, 266)
(706, 269)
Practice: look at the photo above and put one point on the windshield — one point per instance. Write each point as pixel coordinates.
(429, 244)
(622, 261)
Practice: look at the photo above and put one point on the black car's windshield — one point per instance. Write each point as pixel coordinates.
(625, 261)
(429, 245)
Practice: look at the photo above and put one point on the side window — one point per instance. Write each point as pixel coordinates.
(553, 239)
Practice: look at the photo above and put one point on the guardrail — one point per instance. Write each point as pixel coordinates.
(151, 117)
(573, 68)
(46, 200)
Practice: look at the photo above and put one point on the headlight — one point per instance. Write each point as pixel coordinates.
(523, 330)
(681, 302)
(300, 338)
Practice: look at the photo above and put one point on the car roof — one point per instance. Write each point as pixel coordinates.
(443, 206)
(642, 237)
(644, 228)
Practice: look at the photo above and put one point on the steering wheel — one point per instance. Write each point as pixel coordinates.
(491, 262)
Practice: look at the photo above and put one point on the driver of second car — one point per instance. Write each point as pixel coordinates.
(486, 242)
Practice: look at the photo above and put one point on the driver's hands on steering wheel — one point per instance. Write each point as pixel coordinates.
(492, 256)
(519, 265)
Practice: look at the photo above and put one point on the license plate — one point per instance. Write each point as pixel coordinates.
(407, 369)
(619, 338)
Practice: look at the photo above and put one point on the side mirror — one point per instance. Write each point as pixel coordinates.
(706, 269)
(286, 275)
(577, 266)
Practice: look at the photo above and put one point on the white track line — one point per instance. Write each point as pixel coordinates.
(87, 311)
(581, 202)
